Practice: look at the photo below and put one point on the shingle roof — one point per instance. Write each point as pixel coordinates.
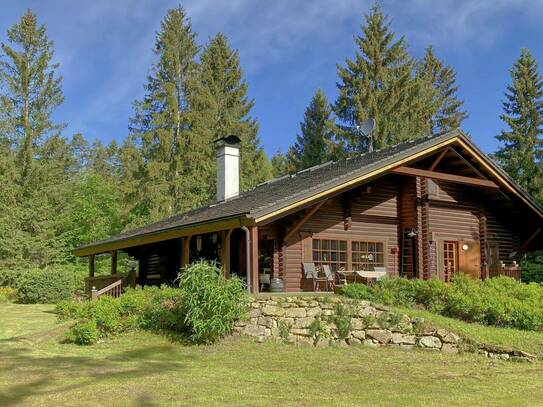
(280, 192)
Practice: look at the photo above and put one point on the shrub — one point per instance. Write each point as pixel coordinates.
(46, 285)
(9, 277)
(7, 294)
(358, 292)
(84, 332)
(501, 301)
(284, 330)
(317, 329)
(211, 303)
(342, 319)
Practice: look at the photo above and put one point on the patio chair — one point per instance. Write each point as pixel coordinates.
(310, 271)
(330, 277)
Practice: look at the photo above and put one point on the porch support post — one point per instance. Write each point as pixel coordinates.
(114, 262)
(225, 251)
(254, 259)
(91, 265)
(185, 255)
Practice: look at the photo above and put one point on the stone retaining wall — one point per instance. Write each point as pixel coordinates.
(325, 320)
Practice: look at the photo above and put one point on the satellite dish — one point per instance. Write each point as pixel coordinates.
(364, 129)
(367, 126)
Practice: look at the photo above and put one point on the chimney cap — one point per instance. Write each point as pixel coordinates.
(230, 140)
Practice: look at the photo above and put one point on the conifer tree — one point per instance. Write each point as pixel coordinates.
(379, 83)
(221, 106)
(521, 144)
(315, 144)
(171, 157)
(444, 108)
(31, 90)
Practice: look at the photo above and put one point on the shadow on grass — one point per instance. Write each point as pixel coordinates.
(50, 373)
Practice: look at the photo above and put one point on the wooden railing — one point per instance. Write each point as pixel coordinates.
(501, 269)
(113, 290)
(112, 285)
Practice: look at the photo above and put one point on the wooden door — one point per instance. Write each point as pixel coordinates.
(449, 259)
(469, 258)
(493, 258)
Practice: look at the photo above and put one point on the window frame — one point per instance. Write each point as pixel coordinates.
(349, 239)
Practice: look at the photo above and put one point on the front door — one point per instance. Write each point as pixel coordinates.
(449, 259)
(493, 258)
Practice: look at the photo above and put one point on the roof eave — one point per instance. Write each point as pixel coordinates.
(214, 225)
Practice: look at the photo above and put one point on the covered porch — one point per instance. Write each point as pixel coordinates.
(239, 251)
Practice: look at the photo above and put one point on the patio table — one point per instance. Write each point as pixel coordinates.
(364, 274)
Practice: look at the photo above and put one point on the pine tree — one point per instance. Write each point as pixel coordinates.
(315, 144)
(221, 107)
(31, 90)
(521, 145)
(161, 125)
(379, 83)
(444, 110)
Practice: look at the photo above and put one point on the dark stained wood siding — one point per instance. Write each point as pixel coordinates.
(498, 232)
(374, 217)
(450, 211)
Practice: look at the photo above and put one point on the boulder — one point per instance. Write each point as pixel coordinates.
(266, 321)
(273, 311)
(254, 330)
(431, 342)
(303, 322)
(380, 335)
(449, 348)
(295, 312)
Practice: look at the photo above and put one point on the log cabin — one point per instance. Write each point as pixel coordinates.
(424, 209)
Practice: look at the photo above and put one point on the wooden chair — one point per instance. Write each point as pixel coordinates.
(330, 277)
(310, 271)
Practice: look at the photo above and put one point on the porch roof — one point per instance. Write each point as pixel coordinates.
(280, 196)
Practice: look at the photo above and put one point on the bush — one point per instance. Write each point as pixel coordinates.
(204, 307)
(9, 277)
(46, 285)
(532, 267)
(152, 308)
(83, 333)
(211, 303)
(7, 294)
(501, 301)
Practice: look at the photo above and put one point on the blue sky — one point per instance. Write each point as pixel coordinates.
(288, 48)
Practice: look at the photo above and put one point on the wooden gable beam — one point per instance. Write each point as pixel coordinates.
(466, 162)
(302, 221)
(529, 240)
(459, 179)
(438, 159)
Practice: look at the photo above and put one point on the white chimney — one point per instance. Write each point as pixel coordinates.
(227, 167)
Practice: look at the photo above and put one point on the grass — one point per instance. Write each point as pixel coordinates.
(528, 341)
(150, 370)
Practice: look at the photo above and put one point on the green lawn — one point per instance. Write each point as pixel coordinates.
(148, 370)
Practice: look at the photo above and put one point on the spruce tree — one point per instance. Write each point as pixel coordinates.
(314, 145)
(379, 83)
(31, 90)
(171, 177)
(444, 108)
(521, 144)
(221, 106)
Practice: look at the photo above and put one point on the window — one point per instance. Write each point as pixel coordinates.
(367, 255)
(450, 259)
(331, 252)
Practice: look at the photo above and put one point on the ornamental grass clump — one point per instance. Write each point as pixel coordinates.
(211, 302)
